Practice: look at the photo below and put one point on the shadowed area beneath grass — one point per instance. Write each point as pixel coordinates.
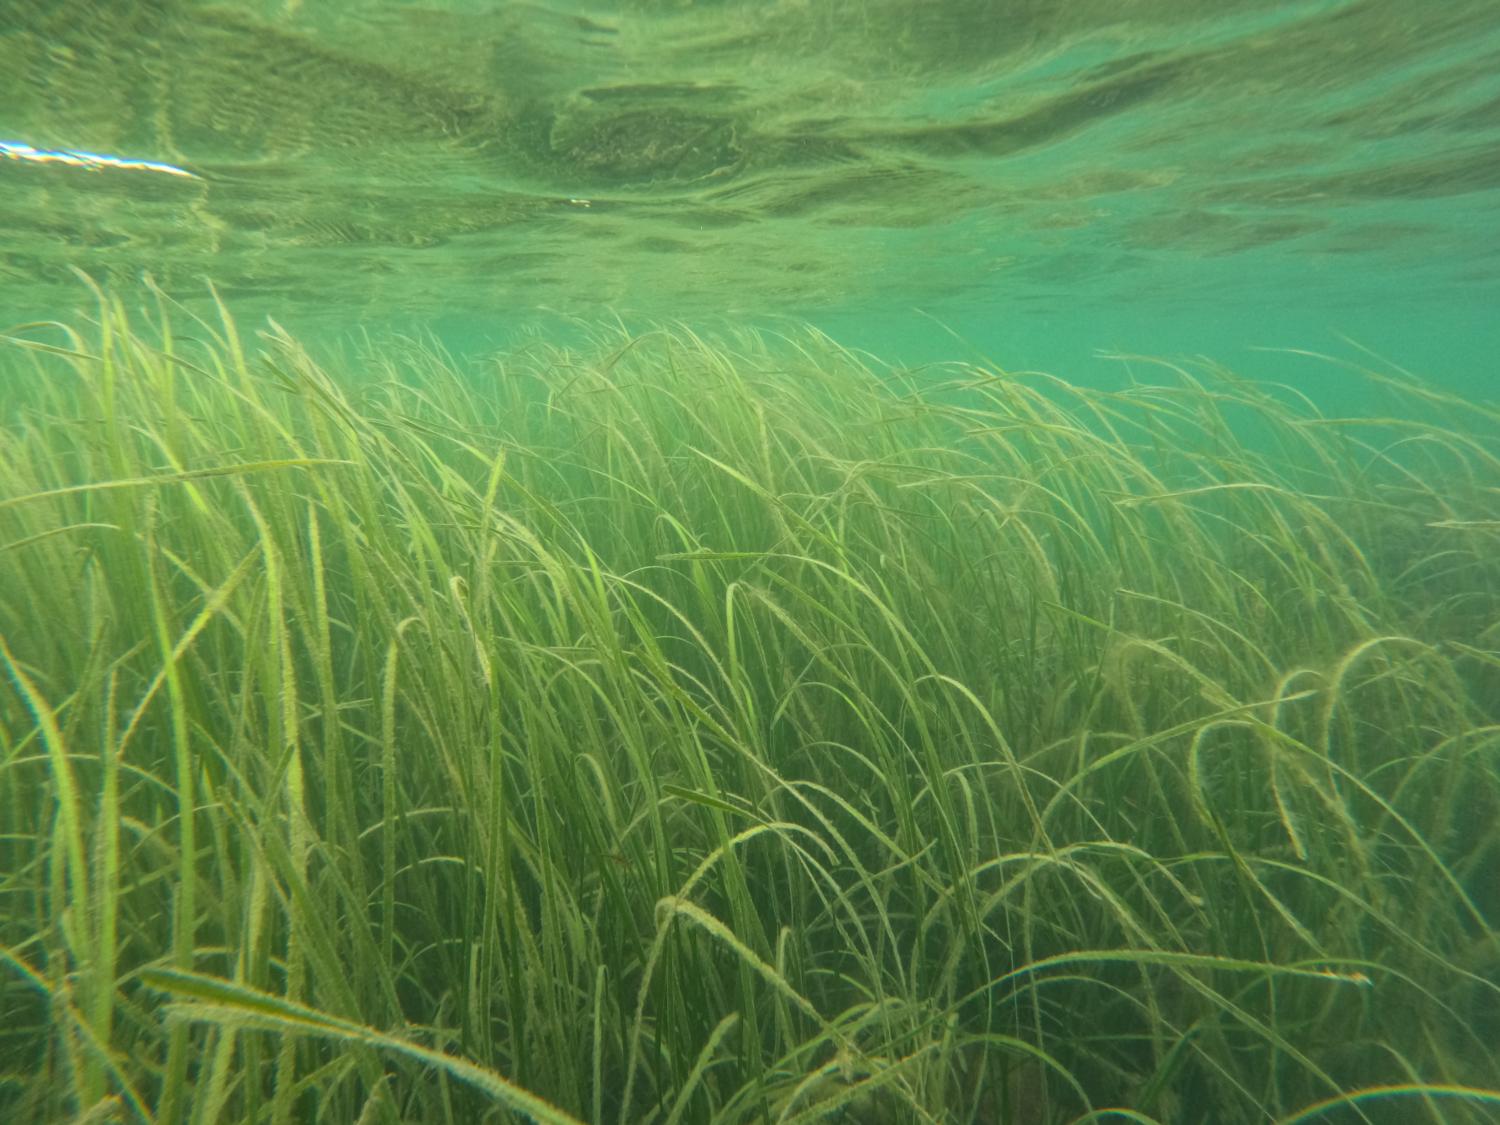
(670, 730)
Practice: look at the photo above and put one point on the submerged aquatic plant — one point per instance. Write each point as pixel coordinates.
(673, 731)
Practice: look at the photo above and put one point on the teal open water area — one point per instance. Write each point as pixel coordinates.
(1043, 179)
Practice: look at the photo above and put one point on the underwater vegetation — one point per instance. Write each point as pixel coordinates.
(668, 731)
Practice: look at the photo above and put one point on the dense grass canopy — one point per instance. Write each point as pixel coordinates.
(682, 731)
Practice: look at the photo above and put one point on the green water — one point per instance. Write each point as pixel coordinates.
(629, 563)
(1046, 178)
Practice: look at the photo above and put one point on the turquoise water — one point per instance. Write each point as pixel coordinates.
(1044, 179)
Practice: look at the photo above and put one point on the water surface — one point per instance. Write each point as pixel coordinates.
(1045, 177)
